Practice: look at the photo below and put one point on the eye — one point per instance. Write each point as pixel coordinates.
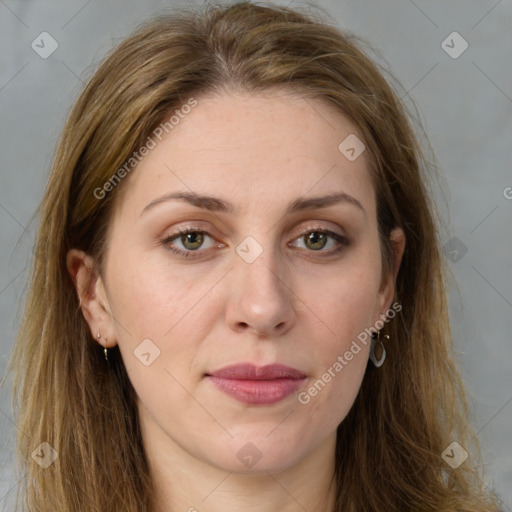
(190, 239)
(317, 239)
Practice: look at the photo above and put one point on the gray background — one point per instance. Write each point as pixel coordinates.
(465, 104)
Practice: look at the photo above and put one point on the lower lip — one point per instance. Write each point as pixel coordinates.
(257, 392)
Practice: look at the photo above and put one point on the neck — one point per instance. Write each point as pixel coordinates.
(185, 483)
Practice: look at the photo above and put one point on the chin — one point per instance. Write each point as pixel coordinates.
(258, 454)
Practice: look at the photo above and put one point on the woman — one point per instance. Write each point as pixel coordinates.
(238, 298)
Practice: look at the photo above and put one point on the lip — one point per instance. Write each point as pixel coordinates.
(257, 385)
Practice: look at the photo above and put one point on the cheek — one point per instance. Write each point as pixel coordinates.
(347, 304)
(150, 297)
(160, 322)
(341, 354)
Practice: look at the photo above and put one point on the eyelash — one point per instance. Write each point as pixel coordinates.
(342, 241)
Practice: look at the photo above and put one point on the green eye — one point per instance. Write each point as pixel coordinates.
(317, 239)
(192, 240)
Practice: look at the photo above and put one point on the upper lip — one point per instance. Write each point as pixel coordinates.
(248, 371)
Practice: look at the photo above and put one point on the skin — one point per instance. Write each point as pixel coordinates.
(290, 305)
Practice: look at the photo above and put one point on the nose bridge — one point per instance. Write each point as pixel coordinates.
(261, 299)
(261, 275)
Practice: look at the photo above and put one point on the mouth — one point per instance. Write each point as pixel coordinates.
(257, 385)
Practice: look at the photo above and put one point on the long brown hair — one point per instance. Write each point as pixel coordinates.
(389, 447)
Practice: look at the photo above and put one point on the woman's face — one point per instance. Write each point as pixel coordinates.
(266, 276)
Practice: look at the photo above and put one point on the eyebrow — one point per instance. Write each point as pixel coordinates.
(215, 204)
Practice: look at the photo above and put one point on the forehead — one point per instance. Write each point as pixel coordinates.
(276, 121)
(255, 149)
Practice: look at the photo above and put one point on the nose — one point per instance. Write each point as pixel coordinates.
(261, 298)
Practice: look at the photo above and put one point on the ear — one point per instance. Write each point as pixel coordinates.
(387, 289)
(92, 296)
